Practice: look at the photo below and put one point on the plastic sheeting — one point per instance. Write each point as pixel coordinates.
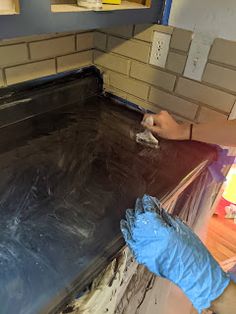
(141, 291)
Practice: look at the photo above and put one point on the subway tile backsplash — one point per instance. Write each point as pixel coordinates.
(213, 98)
(122, 54)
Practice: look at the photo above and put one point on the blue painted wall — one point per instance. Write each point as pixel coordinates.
(36, 18)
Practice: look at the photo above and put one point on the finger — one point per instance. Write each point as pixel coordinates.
(157, 119)
(164, 112)
(149, 204)
(158, 207)
(146, 116)
(145, 119)
(168, 219)
(130, 218)
(125, 230)
(139, 207)
(153, 129)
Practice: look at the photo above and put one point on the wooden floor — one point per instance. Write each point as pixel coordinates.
(221, 242)
(221, 238)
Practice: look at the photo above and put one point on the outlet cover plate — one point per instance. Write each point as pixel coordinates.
(198, 55)
(160, 49)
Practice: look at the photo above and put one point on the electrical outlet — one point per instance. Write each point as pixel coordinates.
(160, 49)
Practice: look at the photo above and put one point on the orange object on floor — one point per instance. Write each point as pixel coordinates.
(220, 208)
(229, 195)
(230, 190)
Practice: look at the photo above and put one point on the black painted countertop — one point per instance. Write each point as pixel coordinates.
(69, 169)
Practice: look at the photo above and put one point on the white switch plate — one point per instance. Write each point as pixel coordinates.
(160, 49)
(198, 56)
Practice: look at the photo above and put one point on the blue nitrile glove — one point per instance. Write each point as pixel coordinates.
(169, 248)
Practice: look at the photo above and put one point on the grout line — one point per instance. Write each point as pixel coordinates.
(205, 66)
(93, 57)
(92, 31)
(172, 93)
(175, 84)
(189, 45)
(210, 50)
(49, 58)
(132, 40)
(172, 112)
(93, 39)
(185, 64)
(33, 38)
(232, 114)
(219, 88)
(79, 51)
(199, 103)
(133, 33)
(118, 36)
(100, 50)
(130, 67)
(149, 92)
(149, 53)
(204, 83)
(26, 63)
(4, 76)
(148, 103)
(221, 64)
(106, 45)
(180, 52)
(151, 103)
(142, 41)
(12, 44)
(207, 84)
(75, 42)
(28, 50)
(140, 81)
(198, 113)
(54, 37)
(56, 64)
(133, 30)
(165, 70)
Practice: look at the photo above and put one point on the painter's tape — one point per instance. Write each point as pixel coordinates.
(166, 12)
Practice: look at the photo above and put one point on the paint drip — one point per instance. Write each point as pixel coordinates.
(146, 138)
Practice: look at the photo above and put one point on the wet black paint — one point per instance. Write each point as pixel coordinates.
(69, 169)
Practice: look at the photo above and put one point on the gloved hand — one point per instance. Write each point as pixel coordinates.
(169, 248)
